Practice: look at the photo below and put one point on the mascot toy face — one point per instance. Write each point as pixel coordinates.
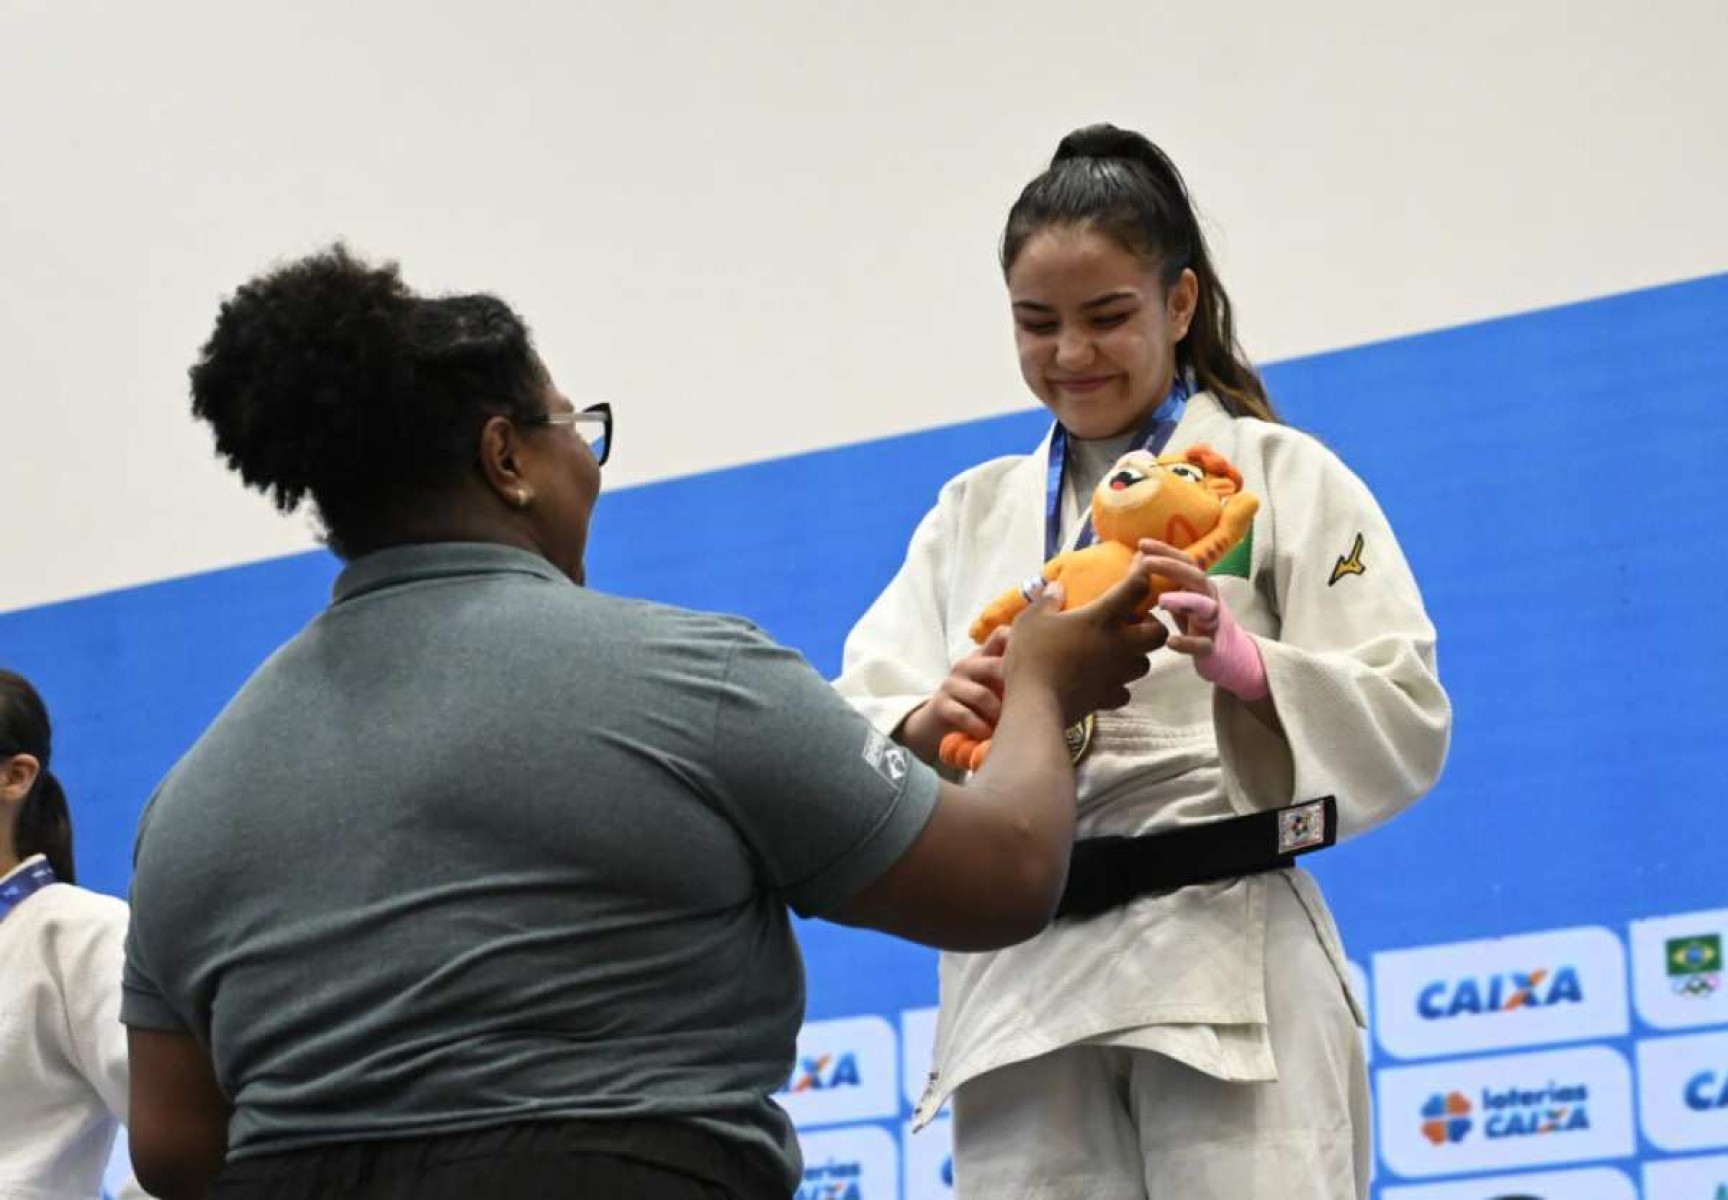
(1175, 498)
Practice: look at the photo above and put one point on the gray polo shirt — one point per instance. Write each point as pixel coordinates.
(480, 846)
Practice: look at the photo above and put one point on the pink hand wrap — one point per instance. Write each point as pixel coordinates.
(1235, 663)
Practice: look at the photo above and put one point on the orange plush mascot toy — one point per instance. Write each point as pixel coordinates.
(1192, 500)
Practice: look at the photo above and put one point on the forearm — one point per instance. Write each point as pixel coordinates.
(1029, 780)
(179, 1115)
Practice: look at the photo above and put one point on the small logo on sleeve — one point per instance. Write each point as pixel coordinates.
(885, 758)
(1350, 564)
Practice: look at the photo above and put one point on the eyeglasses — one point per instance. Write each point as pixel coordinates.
(592, 424)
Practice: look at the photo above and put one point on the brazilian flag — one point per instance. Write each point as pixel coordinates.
(1239, 558)
(1694, 955)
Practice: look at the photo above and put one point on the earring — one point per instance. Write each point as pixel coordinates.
(522, 498)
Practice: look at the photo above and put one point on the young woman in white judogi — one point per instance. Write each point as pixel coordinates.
(1201, 1042)
(63, 1079)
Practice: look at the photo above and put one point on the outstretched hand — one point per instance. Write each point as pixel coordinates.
(1223, 653)
(1090, 655)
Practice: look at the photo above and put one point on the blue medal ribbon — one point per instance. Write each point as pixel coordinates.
(1152, 438)
(21, 886)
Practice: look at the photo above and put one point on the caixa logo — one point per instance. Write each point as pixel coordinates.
(1507, 1112)
(1683, 1091)
(844, 1070)
(1446, 999)
(1707, 1091)
(1471, 996)
(825, 1071)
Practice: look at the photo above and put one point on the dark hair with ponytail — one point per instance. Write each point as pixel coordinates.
(44, 824)
(1119, 183)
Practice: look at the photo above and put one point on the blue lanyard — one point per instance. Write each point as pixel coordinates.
(1153, 436)
(22, 886)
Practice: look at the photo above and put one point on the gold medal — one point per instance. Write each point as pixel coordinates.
(1078, 737)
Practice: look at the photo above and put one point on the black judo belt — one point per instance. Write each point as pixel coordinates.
(1108, 872)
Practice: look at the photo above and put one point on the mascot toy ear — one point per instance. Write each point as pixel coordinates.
(1221, 478)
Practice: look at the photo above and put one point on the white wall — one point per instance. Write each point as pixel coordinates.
(762, 227)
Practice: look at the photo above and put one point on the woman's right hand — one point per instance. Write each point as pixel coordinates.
(969, 700)
(1089, 656)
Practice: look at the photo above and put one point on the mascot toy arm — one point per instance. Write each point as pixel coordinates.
(1192, 500)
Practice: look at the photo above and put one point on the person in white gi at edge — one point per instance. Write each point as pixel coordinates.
(62, 1047)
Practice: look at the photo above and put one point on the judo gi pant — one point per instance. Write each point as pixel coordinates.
(1113, 1123)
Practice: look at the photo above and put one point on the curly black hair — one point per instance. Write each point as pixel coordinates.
(329, 378)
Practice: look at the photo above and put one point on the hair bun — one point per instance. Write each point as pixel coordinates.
(297, 359)
(1107, 141)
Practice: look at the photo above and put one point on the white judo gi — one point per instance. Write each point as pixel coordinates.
(1255, 1084)
(62, 1047)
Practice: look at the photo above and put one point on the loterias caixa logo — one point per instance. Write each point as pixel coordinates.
(845, 1070)
(1564, 985)
(1677, 969)
(849, 1164)
(1558, 1106)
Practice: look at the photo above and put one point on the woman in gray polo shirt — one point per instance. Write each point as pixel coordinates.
(481, 883)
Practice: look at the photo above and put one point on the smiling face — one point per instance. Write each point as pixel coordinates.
(1095, 328)
(1170, 498)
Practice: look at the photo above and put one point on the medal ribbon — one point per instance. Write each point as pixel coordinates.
(26, 883)
(1152, 438)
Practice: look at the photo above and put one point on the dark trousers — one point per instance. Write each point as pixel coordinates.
(557, 1160)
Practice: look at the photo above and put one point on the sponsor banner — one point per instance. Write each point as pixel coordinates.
(850, 1164)
(1560, 986)
(929, 1160)
(917, 1050)
(1359, 985)
(1677, 969)
(1687, 1178)
(1592, 1183)
(844, 1071)
(1518, 1110)
(1683, 1091)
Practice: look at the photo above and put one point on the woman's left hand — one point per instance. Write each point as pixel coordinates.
(1223, 654)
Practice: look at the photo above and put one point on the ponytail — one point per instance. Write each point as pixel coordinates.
(44, 827)
(44, 822)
